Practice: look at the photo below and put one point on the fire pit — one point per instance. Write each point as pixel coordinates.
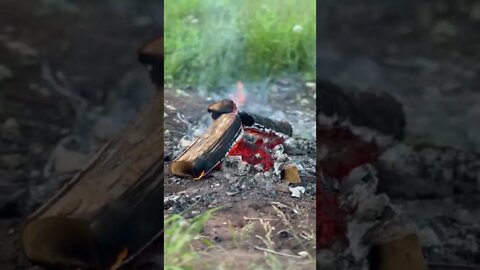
(257, 140)
(266, 162)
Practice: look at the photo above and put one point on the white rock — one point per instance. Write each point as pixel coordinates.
(297, 191)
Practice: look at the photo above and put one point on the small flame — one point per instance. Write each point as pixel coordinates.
(239, 97)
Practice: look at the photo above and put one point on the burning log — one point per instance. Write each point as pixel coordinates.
(109, 212)
(250, 120)
(210, 149)
(224, 137)
(264, 124)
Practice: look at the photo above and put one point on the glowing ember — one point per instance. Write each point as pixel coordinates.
(239, 97)
(259, 151)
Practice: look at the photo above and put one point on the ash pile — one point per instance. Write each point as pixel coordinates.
(378, 193)
(263, 153)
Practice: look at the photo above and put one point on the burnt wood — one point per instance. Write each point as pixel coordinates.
(373, 109)
(265, 124)
(224, 106)
(113, 208)
(210, 149)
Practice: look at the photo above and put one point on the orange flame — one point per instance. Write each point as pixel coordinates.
(239, 97)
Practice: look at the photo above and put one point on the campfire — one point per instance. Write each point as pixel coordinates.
(258, 140)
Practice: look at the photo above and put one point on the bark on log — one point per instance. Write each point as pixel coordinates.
(113, 209)
(209, 149)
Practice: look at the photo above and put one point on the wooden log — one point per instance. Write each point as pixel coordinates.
(372, 109)
(210, 149)
(113, 208)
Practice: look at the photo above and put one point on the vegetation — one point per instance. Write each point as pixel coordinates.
(216, 42)
(178, 236)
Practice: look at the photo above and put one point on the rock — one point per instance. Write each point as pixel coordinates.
(65, 160)
(297, 191)
(5, 73)
(428, 237)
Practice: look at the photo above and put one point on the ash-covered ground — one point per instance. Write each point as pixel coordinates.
(425, 53)
(247, 193)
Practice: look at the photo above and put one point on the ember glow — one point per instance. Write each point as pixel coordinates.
(258, 151)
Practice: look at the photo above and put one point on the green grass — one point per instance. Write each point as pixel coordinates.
(178, 236)
(216, 42)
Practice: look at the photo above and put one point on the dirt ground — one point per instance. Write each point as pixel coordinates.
(240, 229)
(58, 61)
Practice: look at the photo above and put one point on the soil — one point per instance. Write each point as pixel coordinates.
(90, 48)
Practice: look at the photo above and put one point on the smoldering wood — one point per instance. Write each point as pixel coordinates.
(373, 109)
(224, 106)
(114, 203)
(265, 123)
(210, 149)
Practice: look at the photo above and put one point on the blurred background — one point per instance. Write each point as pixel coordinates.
(69, 80)
(426, 54)
(211, 44)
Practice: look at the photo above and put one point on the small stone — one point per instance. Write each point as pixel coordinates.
(303, 254)
(297, 191)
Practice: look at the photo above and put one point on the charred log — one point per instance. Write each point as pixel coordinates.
(209, 149)
(376, 110)
(265, 123)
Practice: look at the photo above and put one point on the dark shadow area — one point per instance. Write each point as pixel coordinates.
(70, 79)
(386, 68)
